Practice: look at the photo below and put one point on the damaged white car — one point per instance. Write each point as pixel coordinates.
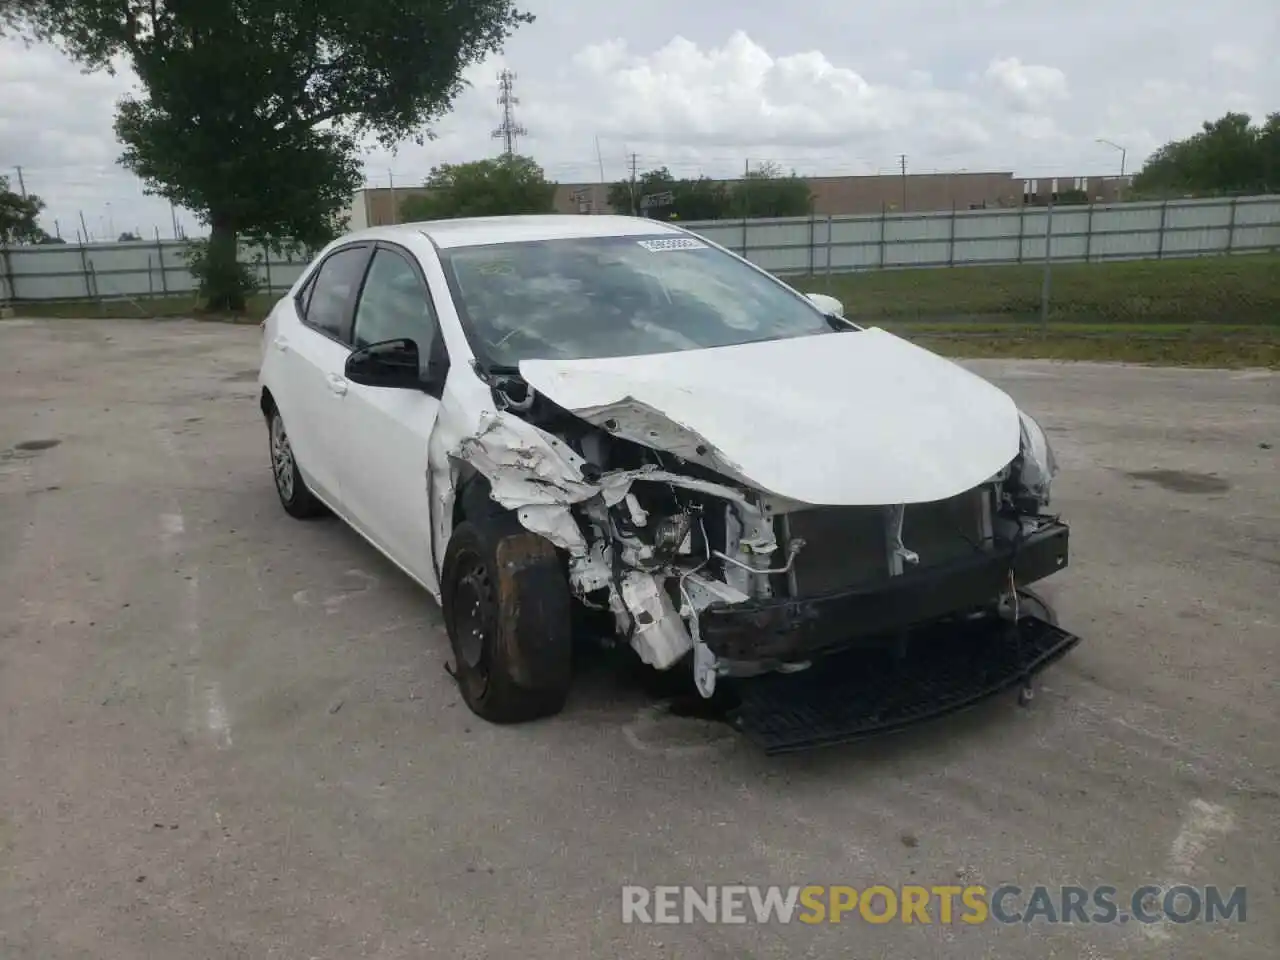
(538, 416)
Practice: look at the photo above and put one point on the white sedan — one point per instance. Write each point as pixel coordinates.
(540, 416)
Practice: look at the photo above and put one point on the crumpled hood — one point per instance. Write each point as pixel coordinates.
(846, 419)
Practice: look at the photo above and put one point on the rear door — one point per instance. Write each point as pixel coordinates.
(314, 352)
(384, 472)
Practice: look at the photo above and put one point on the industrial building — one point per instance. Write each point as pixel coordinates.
(917, 193)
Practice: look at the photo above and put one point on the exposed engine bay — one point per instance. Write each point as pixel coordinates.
(694, 563)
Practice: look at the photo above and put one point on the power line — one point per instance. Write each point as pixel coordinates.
(508, 130)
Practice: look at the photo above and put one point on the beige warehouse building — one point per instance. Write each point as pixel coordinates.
(834, 196)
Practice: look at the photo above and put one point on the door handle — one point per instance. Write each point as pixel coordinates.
(281, 344)
(337, 384)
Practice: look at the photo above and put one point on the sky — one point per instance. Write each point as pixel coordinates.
(708, 86)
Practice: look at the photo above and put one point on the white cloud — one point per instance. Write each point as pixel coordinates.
(1026, 86)
(732, 95)
(1235, 56)
(737, 96)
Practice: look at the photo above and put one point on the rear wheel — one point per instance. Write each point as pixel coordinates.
(297, 500)
(508, 612)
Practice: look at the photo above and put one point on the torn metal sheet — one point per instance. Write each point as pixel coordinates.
(633, 420)
(592, 571)
(524, 464)
(659, 635)
(556, 523)
(538, 476)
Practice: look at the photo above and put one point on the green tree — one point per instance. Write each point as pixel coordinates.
(18, 216)
(1269, 147)
(484, 188)
(1228, 155)
(700, 199)
(768, 192)
(250, 113)
(1069, 198)
(765, 192)
(625, 197)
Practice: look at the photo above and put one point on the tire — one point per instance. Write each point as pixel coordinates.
(508, 613)
(298, 501)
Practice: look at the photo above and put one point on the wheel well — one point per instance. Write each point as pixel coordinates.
(267, 402)
(472, 500)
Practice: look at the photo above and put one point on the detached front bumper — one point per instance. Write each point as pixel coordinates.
(850, 696)
(797, 629)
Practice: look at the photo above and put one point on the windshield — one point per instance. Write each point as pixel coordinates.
(616, 296)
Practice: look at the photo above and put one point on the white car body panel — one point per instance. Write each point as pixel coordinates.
(383, 473)
(853, 419)
(308, 362)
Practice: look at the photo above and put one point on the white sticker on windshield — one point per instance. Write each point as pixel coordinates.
(677, 243)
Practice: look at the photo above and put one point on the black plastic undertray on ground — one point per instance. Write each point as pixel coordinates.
(850, 696)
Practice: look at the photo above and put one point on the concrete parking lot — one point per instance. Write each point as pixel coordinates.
(225, 733)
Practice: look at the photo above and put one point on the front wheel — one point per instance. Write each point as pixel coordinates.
(508, 612)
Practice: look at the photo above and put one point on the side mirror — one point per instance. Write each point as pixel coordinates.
(391, 363)
(828, 305)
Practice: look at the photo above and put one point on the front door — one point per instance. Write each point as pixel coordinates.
(385, 472)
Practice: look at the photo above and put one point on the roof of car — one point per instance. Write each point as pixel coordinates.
(472, 231)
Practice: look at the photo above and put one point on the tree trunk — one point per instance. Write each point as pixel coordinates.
(223, 287)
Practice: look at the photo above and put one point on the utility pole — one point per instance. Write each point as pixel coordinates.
(596, 205)
(635, 210)
(902, 159)
(22, 187)
(1046, 280)
(1124, 155)
(395, 213)
(508, 130)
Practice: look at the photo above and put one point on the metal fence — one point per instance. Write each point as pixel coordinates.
(810, 245)
(1092, 233)
(137, 270)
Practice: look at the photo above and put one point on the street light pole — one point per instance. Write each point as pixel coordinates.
(1123, 156)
